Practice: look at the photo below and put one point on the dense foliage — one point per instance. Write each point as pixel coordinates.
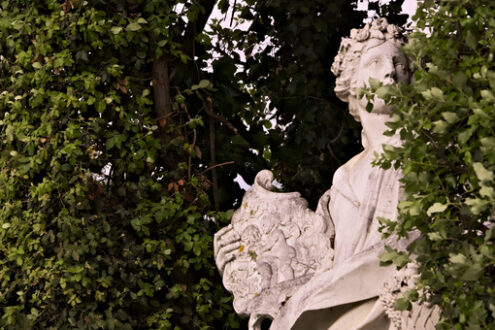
(102, 183)
(445, 119)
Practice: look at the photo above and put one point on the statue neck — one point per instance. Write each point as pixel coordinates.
(374, 125)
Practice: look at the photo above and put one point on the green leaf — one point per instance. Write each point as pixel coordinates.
(482, 173)
(116, 29)
(59, 62)
(184, 58)
(464, 136)
(435, 236)
(101, 106)
(471, 39)
(457, 259)
(66, 167)
(436, 208)
(136, 224)
(473, 272)
(374, 83)
(487, 95)
(402, 304)
(369, 106)
(427, 94)
(434, 93)
(437, 94)
(17, 24)
(487, 192)
(477, 205)
(134, 26)
(459, 80)
(204, 83)
(384, 92)
(440, 126)
(450, 117)
(492, 309)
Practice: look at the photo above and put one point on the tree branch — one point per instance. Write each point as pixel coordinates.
(217, 165)
(209, 110)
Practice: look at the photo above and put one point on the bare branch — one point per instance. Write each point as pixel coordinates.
(209, 110)
(218, 165)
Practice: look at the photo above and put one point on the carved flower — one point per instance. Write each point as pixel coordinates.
(393, 31)
(380, 24)
(339, 59)
(336, 66)
(361, 34)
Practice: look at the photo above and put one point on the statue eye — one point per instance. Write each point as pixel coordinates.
(374, 61)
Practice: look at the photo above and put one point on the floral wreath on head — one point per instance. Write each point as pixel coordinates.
(347, 59)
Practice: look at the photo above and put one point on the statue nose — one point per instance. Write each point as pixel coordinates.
(391, 72)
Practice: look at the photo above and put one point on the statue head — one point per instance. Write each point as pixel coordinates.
(370, 52)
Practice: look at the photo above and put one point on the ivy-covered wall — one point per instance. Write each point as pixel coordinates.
(101, 195)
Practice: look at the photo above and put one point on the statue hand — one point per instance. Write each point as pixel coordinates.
(226, 243)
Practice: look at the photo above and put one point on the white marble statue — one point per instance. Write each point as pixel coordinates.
(320, 270)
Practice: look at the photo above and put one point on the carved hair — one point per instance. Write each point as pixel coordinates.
(350, 51)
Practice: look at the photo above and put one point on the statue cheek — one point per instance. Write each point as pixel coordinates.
(363, 75)
(379, 73)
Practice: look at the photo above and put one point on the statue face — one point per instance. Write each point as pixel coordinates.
(385, 63)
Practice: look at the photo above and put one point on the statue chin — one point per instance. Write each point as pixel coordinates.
(305, 269)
